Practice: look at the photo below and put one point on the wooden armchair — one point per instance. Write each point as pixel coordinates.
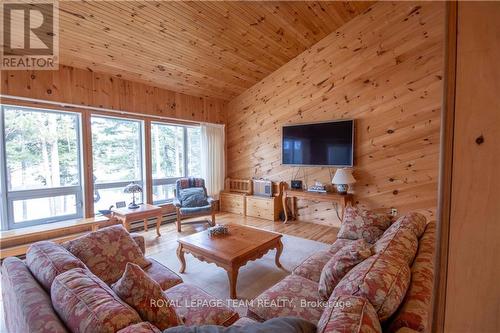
(188, 211)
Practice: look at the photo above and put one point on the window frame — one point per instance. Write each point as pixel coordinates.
(122, 183)
(84, 191)
(8, 197)
(3, 176)
(185, 162)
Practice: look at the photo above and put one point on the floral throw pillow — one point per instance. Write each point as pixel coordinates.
(107, 251)
(143, 294)
(340, 264)
(363, 224)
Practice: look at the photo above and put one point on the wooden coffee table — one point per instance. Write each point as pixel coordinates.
(232, 251)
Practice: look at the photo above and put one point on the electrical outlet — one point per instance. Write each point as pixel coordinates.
(394, 212)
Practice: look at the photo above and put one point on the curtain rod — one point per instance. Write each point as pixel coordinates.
(76, 106)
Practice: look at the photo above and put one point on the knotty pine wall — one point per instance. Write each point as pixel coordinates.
(384, 69)
(87, 88)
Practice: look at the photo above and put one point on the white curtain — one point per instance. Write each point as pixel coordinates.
(212, 158)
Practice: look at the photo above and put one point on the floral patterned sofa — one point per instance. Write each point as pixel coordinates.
(30, 306)
(390, 291)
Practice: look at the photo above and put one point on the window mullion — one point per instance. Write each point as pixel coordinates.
(103, 186)
(185, 155)
(42, 192)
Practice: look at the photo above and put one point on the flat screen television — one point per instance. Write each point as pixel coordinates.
(319, 144)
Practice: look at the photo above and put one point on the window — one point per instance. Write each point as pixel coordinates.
(41, 162)
(194, 151)
(41, 174)
(175, 153)
(117, 159)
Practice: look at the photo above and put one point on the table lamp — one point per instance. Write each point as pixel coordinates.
(342, 178)
(133, 188)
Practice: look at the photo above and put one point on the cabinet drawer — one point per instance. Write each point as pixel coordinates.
(258, 203)
(232, 203)
(262, 207)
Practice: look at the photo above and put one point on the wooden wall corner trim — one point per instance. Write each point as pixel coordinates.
(445, 166)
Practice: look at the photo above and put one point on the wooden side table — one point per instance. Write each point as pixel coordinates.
(343, 199)
(144, 212)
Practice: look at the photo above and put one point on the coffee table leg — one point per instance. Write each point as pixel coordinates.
(145, 224)
(232, 274)
(279, 250)
(180, 255)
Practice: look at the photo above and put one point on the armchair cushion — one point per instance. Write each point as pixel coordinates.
(196, 210)
(193, 197)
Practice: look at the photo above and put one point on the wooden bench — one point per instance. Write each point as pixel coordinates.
(15, 242)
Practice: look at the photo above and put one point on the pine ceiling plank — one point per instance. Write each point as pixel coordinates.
(263, 31)
(199, 30)
(210, 49)
(245, 26)
(162, 50)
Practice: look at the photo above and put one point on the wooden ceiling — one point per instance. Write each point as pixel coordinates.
(213, 49)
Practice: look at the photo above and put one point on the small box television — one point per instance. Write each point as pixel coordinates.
(318, 144)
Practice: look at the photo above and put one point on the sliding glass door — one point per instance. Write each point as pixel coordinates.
(41, 166)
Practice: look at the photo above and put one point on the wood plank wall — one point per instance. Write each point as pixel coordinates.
(384, 68)
(88, 88)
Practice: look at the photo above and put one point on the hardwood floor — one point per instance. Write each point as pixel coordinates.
(169, 233)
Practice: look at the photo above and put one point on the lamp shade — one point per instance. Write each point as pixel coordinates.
(132, 188)
(343, 176)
